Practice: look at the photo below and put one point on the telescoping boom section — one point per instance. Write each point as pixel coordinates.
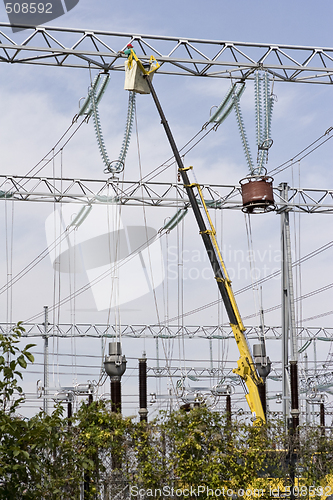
(245, 365)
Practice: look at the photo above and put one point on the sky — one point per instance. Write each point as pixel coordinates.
(39, 103)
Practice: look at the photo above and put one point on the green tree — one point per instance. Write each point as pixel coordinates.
(49, 457)
(14, 449)
(12, 360)
(38, 458)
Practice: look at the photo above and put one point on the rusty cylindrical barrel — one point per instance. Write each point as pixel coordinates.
(257, 194)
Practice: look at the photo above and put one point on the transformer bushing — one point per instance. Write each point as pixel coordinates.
(262, 362)
(115, 367)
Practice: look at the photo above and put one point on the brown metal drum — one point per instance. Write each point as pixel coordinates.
(257, 194)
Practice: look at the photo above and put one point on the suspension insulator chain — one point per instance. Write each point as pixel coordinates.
(259, 131)
(264, 101)
(264, 107)
(120, 163)
(242, 132)
(90, 107)
(98, 128)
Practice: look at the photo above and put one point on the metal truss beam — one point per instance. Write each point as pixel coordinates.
(192, 373)
(80, 48)
(317, 382)
(150, 193)
(83, 330)
(314, 384)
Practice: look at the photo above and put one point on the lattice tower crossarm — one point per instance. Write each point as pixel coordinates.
(217, 332)
(156, 194)
(95, 49)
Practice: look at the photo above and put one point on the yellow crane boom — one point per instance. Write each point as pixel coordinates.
(245, 365)
(246, 368)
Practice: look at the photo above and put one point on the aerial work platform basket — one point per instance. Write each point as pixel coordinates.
(137, 72)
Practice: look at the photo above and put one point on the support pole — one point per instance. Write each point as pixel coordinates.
(211, 354)
(86, 476)
(265, 367)
(322, 418)
(294, 394)
(285, 316)
(115, 395)
(69, 411)
(143, 412)
(288, 321)
(228, 409)
(262, 395)
(307, 406)
(46, 361)
(315, 376)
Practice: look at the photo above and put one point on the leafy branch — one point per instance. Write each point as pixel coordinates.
(12, 360)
